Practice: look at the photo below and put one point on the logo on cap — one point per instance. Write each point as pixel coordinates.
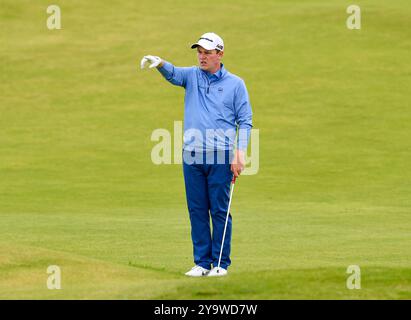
(206, 39)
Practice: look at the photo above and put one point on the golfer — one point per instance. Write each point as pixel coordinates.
(217, 110)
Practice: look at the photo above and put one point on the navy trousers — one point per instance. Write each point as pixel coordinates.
(207, 177)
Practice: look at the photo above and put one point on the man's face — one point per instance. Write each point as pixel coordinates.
(209, 60)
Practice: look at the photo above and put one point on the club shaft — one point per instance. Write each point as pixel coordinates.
(225, 226)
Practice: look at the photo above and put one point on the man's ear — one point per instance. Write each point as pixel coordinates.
(221, 53)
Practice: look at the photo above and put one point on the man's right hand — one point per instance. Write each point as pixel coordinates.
(153, 60)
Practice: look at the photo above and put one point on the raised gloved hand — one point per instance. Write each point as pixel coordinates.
(153, 60)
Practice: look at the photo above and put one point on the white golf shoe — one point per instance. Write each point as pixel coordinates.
(217, 272)
(197, 271)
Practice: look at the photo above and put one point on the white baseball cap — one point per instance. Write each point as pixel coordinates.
(209, 41)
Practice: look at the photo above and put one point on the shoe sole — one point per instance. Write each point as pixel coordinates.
(217, 275)
(197, 276)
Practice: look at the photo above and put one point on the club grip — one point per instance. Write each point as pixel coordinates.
(234, 178)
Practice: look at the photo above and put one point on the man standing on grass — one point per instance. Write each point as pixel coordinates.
(216, 105)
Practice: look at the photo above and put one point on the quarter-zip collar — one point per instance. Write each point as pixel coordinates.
(212, 77)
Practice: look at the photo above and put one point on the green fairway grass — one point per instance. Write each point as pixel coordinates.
(78, 188)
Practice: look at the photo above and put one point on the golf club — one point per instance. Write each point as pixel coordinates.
(226, 221)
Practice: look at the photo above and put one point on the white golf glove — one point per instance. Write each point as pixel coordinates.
(155, 61)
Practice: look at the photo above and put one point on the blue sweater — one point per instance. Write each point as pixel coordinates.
(215, 106)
